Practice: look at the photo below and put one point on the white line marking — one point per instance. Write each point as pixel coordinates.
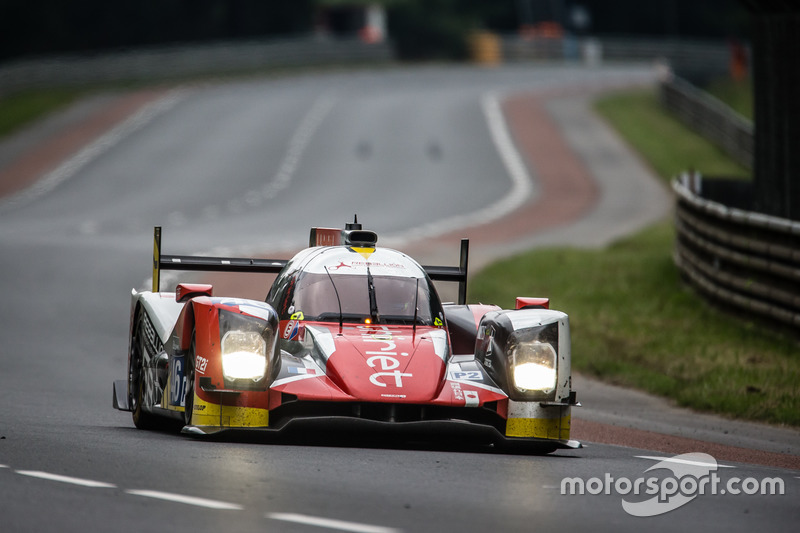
(71, 166)
(298, 143)
(330, 523)
(3, 466)
(189, 500)
(66, 479)
(297, 146)
(681, 461)
(522, 186)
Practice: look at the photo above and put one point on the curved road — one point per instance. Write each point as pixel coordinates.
(246, 167)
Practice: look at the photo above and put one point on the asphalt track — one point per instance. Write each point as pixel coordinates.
(248, 167)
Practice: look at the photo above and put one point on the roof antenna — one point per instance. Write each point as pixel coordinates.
(354, 225)
(338, 300)
(416, 312)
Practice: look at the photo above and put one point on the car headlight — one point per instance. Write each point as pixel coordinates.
(244, 355)
(534, 366)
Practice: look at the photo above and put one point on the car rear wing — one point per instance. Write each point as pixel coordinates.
(457, 274)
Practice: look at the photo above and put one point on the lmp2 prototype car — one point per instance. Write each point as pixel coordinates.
(349, 332)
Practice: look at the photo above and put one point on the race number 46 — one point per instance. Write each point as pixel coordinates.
(177, 384)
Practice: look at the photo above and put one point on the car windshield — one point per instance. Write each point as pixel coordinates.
(318, 297)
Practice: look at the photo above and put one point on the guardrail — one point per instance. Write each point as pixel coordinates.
(742, 259)
(188, 60)
(694, 59)
(710, 117)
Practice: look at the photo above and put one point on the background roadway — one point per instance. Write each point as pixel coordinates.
(249, 166)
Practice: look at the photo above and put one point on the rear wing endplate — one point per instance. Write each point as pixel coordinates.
(457, 274)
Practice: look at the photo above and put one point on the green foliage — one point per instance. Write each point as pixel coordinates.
(662, 139)
(429, 30)
(738, 95)
(633, 321)
(20, 109)
(422, 28)
(33, 27)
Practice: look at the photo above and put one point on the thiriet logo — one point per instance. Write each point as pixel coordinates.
(692, 475)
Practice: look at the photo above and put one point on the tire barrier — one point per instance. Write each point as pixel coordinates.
(745, 260)
(709, 117)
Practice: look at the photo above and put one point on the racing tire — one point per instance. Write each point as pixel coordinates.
(137, 376)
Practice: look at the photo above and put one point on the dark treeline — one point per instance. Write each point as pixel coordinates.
(425, 28)
(421, 28)
(39, 27)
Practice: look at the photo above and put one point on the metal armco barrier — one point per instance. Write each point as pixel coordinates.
(711, 118)
(742, 259)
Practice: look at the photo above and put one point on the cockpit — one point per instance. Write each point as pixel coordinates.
(345, 285)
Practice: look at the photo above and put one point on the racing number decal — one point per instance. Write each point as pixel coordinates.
(177, 383)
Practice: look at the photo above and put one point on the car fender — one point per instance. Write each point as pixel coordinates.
(496, 331)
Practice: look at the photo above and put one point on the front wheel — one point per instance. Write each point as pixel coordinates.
(137, 377)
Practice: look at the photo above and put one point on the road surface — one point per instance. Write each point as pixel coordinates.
(247, 167)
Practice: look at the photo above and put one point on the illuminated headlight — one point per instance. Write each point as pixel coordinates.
(244, 355)
(534, 366)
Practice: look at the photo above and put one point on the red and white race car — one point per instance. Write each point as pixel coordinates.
(350, 333)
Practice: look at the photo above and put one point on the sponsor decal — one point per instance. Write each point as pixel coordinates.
(293, 331)
(200, 364)
(473, 375)
(458, 394)
(385, 359)
(370, 264)
(177, 383)
(470, 397)
(301, 370)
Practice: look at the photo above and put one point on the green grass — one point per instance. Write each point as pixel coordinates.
(19, 109)
(634, 322)
(738, 95)
(664, 142)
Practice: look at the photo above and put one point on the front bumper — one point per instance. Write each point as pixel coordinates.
(549, 427)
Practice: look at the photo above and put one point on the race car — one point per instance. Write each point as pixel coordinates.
(349, 333)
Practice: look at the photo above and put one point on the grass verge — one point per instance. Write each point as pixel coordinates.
(19, 109)
(667, 145)
(737, 94)
(635, 324)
